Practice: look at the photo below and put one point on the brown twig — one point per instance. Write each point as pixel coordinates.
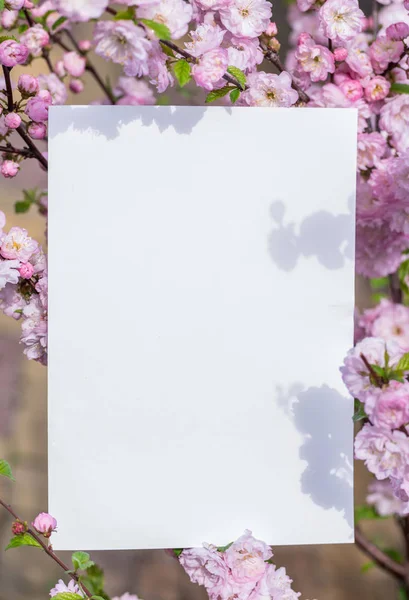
(275, 60)
(48, 550)
(380, 558)
(378, 380)
(394, 288)
(20, 130)
(12, 150)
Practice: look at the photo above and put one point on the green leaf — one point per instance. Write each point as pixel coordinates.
(22, 206)
(182, 72)
(177, 551)
(401, 88)
(97, 598)
(379, 283)
(367, 566)
(238, 74)
(1, 5)
(365, 511)
(163, 100)
(167, 50)
(125, 15)
(161, 30)
(224, 548)
(3, 38)
(68, 596)
(402, 595)
(5, 470)
(403, 364)
(81, 561)
(22, 27)
(234, 95)
(359, 413)
(58, 22)
(215, 94)
(397, 376)
(378, 370)
(94, 580)
(394, 554)
(23, 539)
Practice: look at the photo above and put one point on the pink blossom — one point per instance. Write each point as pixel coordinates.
(37, 131)
(175, 14)
(8, 272)
(27, 85)
(246, 558)
(60, 587)
(14, 4)
(271, 29)
(8, 18)
(246, 18)
(340, 54)
(74, 64)
(314, 59)
(354, 372)
(244, 53)
(45, 524)
(351, 88)
(80, 10)
(385, 454)
(17, 244)
(35, 38)
(9, 168)
(371, 147)
(394, 119)
(388, 408)
(213, 4)
(52, 84)
(341, 20)
(123, 43)
(358, 59)
(11, 302)
(381, 496)
(397, 31)
(274, 584)
(134, 92)
(159, 74)
(205, 566)
(266, 89)
(37, 109)
(377, 89)
(26, 270)
(34, 331)
(211, 68)
(126, 596)
(305, 5)
(378, 250)
(384, 51)
(13, 53)
(12, 120)
(204, 38)
(370, 210)
(84, 45)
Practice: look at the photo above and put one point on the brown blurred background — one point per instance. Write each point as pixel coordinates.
(319, 572)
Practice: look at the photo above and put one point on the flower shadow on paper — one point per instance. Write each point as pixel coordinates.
(108, 120)
(323, 417)
(322, 234)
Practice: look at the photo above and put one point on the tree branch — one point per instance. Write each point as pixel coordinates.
(380, 558)
(378, 380)
(22, 151)
(48, 550)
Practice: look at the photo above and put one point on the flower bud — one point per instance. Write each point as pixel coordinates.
(8, 18)
(271, 29)
(59, 69)
(84, 45)
(12, 120)
(18, 527)
(397, 31)
(14, 4)
(45, 524)
(274, 44)
(27, 85)
(74, 64)
(76, 86)
(37, 131)
(9, 168)
(340, 54)
(26, 270)
(12, 53)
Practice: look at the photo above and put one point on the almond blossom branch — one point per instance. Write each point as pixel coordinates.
(48, 550)
(44, 52)
(20, 130)
(372, 372)
(273, 57)
(21, 151)
(380, 558)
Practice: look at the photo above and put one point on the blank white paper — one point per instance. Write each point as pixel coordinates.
(201, 269)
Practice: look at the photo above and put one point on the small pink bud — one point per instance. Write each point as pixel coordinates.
(26, 270)
(60, 69)
(84, 45)
(28, 4)
(406, 4)
(37, 131)
(76, 86)
(9, 168)
(271, 29)
(45, 524)
(27, 85)
(340, 54)
(8, 18)
(12, 120)
(74, 64)
(12, 53)
(18, 527)
(274, 44)
(397, 31)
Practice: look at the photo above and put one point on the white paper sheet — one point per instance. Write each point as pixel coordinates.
(201, 301)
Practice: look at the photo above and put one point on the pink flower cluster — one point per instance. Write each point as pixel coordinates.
(243, 570)
(24, 288)
(374, 374)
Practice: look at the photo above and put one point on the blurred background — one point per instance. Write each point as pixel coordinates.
(319, 572)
